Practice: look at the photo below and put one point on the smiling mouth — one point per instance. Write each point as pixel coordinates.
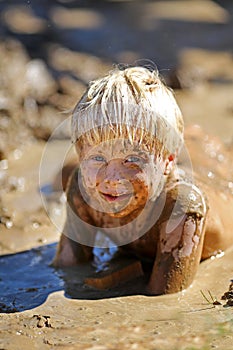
(114, 198)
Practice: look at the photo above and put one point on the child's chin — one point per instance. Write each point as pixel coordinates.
(126, 212)
(119, 214)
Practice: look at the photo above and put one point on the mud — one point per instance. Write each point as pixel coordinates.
(67, 44)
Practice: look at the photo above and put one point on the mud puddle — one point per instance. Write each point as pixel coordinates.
(27, 279)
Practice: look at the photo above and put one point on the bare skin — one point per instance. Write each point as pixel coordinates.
(109, 190)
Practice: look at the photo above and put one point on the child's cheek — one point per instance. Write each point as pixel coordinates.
(153, 177)
(141, 193)
(89, 175)
(142, 178)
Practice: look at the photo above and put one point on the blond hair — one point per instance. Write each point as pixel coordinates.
(132, 103)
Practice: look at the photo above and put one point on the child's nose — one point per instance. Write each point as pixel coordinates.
(112, 172)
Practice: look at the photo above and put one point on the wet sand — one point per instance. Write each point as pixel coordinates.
(42, 308)
(179, 321)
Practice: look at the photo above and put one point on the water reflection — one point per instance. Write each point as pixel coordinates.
(27, 279)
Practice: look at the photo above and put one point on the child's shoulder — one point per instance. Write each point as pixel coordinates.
(184, 195)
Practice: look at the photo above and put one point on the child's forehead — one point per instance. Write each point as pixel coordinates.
(114, 147)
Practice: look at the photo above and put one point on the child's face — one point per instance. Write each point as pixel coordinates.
(118, 178)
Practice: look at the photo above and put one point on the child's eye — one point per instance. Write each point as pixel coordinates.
(133, 159)
(98, 158)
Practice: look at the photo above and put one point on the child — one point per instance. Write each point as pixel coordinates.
(128, 133)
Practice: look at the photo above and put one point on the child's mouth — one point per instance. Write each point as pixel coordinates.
(114, 197)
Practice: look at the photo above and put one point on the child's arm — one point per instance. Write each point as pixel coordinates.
(77, 239)
(69, 251)
(180, 244)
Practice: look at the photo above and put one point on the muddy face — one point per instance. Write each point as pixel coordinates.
(118, 178)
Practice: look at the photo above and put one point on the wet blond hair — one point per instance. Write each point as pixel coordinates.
(132, 103)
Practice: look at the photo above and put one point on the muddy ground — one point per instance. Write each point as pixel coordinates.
(49, 50)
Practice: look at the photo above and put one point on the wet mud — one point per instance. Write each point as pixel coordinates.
(49, 51)
(23, 288)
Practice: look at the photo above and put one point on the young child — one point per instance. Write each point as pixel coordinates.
(128, 133)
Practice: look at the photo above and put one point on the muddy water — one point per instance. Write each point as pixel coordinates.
(43, 308)
(53, 319)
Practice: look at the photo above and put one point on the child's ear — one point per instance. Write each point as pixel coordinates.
(169, 164)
